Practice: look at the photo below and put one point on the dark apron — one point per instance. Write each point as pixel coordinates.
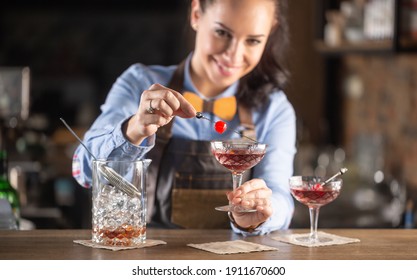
(185, 182)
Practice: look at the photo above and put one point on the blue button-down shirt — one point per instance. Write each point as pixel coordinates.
(275, 126)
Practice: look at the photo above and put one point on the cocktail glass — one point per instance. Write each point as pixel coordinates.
(238, 156)
(314, 193)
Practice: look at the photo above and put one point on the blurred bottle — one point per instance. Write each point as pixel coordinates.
(409, 19)
(409, 215)
(6, 190)
(7, 218)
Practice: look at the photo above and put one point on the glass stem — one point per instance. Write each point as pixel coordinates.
(314, 218)
(237, 181)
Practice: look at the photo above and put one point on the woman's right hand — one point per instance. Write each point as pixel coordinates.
(166, 103)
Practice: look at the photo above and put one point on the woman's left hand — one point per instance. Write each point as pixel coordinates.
(252, 194)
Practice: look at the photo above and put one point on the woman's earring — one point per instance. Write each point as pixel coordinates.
(194, 26)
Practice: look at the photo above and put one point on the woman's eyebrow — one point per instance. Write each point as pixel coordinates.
(231, 31)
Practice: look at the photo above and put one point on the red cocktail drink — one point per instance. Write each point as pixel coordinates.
(314, 197)
(239, 160)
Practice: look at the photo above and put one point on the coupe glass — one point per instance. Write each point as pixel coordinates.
(311, 191)
(237, 156)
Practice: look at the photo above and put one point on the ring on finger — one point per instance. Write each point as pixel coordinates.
(150, 109)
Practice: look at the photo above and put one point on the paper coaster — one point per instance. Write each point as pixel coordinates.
(334, 239)
(148, 243)
(232, 247)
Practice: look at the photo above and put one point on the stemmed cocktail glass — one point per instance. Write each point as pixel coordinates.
(238, 156)
(314, 192)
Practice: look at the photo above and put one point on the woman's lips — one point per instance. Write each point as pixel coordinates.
(226, 70)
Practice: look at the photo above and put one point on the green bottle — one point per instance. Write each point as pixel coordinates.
(6, 190)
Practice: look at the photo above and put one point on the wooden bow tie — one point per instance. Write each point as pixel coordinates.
(224, 108)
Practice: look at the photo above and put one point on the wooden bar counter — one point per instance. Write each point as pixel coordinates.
(376, 244)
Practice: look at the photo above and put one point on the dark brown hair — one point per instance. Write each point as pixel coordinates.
(271, 73)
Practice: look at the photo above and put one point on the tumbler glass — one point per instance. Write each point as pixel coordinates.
(119, 218)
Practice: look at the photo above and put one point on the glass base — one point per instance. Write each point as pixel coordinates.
(234, 208)
(310, 240)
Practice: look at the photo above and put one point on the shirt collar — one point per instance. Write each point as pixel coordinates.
(189, 85)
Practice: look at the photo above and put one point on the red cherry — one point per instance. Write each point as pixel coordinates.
(317, 187)
(220, 126)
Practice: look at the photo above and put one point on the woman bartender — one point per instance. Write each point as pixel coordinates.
(150, 113)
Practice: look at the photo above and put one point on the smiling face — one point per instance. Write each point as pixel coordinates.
(230, 38)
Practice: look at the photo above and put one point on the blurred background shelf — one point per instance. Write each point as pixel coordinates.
(369, 47)
(359, 26)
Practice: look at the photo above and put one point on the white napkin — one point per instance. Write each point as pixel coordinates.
(232, 247)
(148, 243)
(334, 239)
